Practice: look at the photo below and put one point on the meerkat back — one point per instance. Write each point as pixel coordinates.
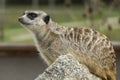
(94, 50)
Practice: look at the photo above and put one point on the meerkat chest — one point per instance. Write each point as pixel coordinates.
(50, 50)
(55, 46)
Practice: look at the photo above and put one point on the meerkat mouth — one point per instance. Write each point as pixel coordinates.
(23, 22)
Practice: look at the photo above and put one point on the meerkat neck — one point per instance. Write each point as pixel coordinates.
(42, 35)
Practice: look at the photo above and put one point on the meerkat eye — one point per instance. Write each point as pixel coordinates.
(32, 15)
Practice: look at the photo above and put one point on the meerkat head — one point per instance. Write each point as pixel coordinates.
(34, 20)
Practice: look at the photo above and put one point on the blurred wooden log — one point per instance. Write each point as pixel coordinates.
(27, 49)
(17, 49)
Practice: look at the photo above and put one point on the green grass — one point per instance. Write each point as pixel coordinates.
(13, 32)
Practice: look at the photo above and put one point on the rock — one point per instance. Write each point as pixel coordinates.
(67, 68)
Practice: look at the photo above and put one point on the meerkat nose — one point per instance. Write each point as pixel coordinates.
(20, 19)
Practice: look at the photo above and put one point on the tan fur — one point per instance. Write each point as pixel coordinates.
(87, 45)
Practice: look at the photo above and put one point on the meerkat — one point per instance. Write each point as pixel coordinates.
(87, 45)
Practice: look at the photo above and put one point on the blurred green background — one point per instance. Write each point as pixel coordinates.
(103, 15)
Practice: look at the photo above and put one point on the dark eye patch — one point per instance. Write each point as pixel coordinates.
(32, 15)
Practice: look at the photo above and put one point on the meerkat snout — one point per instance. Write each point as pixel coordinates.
(23, 22)
(20, 19)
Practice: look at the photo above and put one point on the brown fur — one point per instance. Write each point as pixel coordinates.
(98, 56)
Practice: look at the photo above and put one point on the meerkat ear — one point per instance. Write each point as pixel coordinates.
(46, 19)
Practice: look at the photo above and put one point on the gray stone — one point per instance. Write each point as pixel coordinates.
(67, 68)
